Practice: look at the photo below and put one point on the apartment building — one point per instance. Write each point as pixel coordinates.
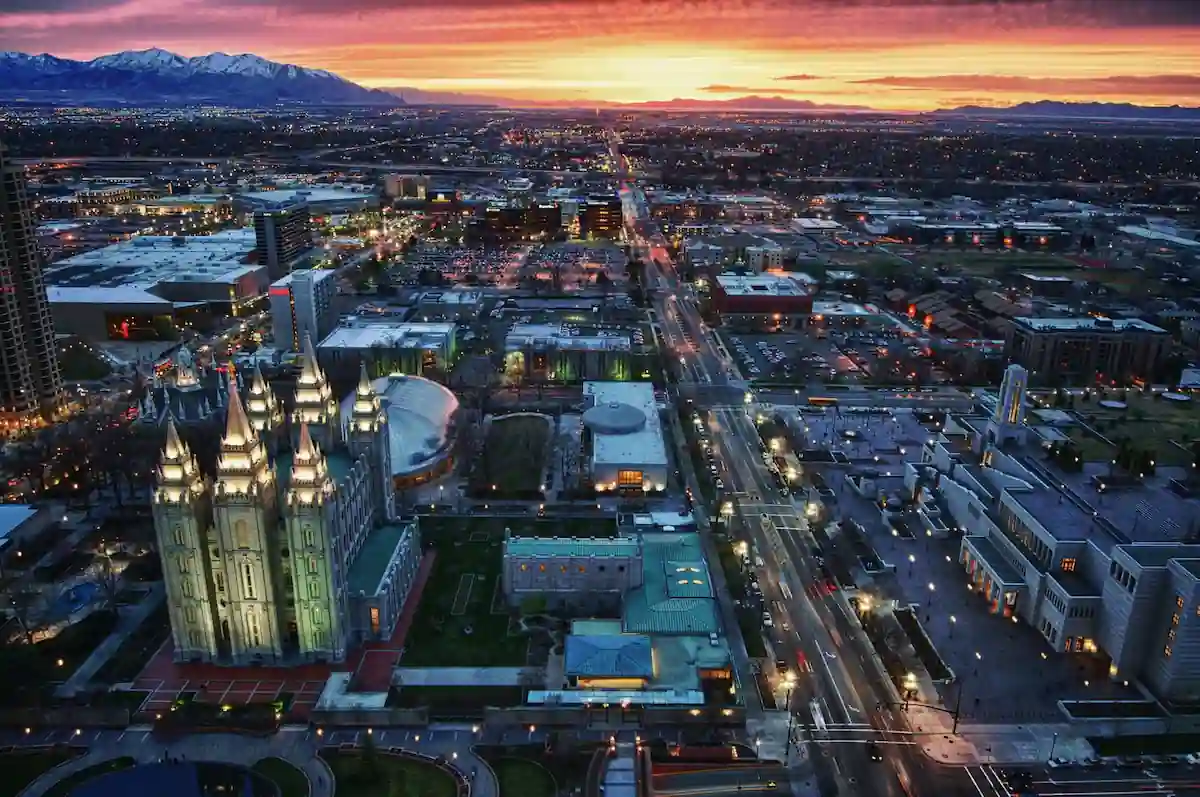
(1085, 350)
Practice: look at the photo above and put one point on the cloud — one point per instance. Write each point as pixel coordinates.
(799, 77)
(53, 6)
(721, 88)
(1182, 86)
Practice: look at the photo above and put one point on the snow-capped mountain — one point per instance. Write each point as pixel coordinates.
(158, 77)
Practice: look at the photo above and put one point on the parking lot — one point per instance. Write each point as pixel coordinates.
(1007, 671)
(788, 356)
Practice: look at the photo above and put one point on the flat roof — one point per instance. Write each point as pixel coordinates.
(806, 223)
(149, 260)
(535, 336)
(317, 274)
(1151, 234)
(357, 332)
(1032, 277)
(311, 195)
(643, 447)
(12, 516)
(844, 308)
(96, 296)
(374, 557)
(790, 284)
(1086, 324)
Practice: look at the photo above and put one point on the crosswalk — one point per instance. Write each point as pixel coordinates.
(987, 781)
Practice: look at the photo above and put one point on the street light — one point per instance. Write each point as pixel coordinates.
(953, 622)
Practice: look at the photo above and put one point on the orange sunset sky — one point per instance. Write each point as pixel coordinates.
(888, 54)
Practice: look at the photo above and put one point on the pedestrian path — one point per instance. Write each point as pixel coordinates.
(140, 745)
(129, 620)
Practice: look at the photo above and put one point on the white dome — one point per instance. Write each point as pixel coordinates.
(614, 418)
(419, 413)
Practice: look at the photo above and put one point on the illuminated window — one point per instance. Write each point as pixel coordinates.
(1167, 652)
(312, 564)
(524, 567)
(562, 568)
(629, 478)
(541, 568)
(1179, 601)
(1068, 565)
(582, 569)
(374, 619)
(1175, 619)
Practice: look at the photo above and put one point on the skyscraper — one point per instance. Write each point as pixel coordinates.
(30, 380)
(282, 233)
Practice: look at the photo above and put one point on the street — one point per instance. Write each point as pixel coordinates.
(840, 697)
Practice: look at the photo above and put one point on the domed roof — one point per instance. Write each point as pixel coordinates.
(614, 418)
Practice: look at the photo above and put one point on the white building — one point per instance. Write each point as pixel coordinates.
(764, 258)
(390, 346)
(623, 433)
(302, 305)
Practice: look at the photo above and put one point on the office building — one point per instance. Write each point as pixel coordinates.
(138, 289)
(601, 218)
(293, 553)
(1100, 559)
(551, 353)
(406, 186)
(771, 301)
(30, 380)
(389, 346)
(1086, 350)
(764, 258)
(282, 234)
(302, 306)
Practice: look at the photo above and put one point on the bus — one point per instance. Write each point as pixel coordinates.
(822, 401)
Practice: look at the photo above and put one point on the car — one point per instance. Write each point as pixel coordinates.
(770, 785)
(1060, 763)
(1192, 758)
(767, 620)
(874, 751)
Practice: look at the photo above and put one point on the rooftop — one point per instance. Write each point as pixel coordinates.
(642, 447)
(558, 547)
(373, 558)
(1086, 324)
(146, 261)
(12, 516)
(420, 414)
(311, 195)
(535, 336)
(676, 596)
(317, 274)
(357, 332)
(616, 655)
(792, 284)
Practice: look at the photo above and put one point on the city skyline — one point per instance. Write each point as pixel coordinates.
(885, 54)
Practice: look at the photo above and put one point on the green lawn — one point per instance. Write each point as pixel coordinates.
(356, 776)
(68, 784)
(290, 780)
(21, 769)
(1151, 422)
(439, 638)
(520, 777)
(514, 457)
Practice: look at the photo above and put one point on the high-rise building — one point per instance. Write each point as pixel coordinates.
(292, 552)
(601, 217)
(30, 381)
(302, 306)
(282, 234)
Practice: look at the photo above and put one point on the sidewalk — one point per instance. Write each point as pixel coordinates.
(293, 747)
(128, 621)
(977, 743)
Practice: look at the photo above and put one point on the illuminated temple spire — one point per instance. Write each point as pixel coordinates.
(314, 404)
(242, 464)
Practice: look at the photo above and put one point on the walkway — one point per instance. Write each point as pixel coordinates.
(379, 659)
(128, 622)
(294, 747)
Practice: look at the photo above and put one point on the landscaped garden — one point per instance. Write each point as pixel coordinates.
(462, 619)
(370, 773)
(21, 769)
(513, 462)
(290, 780)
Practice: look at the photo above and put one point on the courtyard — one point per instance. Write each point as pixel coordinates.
(463, 620)
(513, 460)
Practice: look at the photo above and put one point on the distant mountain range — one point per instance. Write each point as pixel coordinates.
(158, 77)
(1079, 110)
